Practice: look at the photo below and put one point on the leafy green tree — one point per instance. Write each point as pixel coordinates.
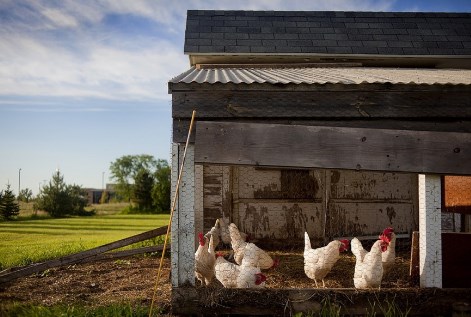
(124, 171)
(143, 184)
(161, 190)
(25, 195)
(59, 199)
(8, 205)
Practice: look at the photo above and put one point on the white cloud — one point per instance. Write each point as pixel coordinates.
(105, 72)
(63, 48)
(59, 18)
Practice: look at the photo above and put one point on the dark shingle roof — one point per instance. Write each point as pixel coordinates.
(330, 32)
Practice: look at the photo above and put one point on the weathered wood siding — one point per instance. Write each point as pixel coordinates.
(255, 144)
(363, 203)
(217, 194)
(280, 204)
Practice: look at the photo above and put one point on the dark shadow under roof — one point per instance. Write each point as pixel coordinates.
(328, 32)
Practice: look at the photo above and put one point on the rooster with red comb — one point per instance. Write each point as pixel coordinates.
(205, 259)
(388, 256)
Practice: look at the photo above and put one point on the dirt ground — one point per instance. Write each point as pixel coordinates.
(132, 280)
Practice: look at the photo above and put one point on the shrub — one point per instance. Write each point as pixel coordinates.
(9, 207)
(59, 199)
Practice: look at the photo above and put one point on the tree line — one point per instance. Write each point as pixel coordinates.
(141, 180)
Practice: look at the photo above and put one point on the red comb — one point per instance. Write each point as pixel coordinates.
(201, 238)
(388, 231)
(260, 278)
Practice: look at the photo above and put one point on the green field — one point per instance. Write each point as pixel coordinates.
(29, 241)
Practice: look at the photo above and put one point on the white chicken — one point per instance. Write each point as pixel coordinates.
(225, 234)
(319, 262)
(232, 275)
(388, 256)
(224, 229)
(215, 232)
(256, 256)
(204, 260)
(226, 272)
(368, 266)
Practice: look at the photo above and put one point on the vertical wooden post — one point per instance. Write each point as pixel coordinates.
(430, 242)
(183, 222)
(199, 201)
(414, 259)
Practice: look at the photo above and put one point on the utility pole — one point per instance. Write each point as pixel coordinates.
(19, 181)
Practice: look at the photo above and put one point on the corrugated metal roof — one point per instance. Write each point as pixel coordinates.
(316, 75)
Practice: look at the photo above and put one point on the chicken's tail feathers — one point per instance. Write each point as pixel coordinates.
(211, 243)
(356, 247)
(307, 242)
(234, 232)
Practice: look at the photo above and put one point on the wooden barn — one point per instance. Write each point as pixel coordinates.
(335, 123)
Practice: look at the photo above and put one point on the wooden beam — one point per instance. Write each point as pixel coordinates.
(80, 256)
(122, 254)
(328, 147)
(430, 227)
(414, 271)
(370, 104)
(280, 302)
(180, 126)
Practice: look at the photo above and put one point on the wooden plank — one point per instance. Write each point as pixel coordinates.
(328, 147)
(77, 257)
(278, 65)
(123, 254)
(183, 222)
(281, 302)
(180, 126)
(430, 242)
(378, 104)
(414, 259)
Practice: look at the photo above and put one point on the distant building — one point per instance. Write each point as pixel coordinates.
(94, 194)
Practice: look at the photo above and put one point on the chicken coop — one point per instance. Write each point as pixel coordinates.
(338, 124)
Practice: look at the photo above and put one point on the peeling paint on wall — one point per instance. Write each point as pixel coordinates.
(296, 221)
(391, 213)
(283, 203)
(255, 221)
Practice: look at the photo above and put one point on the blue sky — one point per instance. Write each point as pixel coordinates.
(83, 83)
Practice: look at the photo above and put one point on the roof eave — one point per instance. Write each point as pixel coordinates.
(429, 61)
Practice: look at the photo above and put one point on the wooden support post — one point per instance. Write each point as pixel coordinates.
(183, 222)
(414, 259)
(430, 242)
(199, 199)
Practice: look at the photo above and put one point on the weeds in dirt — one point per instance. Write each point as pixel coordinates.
(125, 310)
(388, 309)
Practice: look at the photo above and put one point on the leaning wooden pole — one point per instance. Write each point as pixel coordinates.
(174, 202)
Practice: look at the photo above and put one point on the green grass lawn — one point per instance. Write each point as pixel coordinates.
(28, 241)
